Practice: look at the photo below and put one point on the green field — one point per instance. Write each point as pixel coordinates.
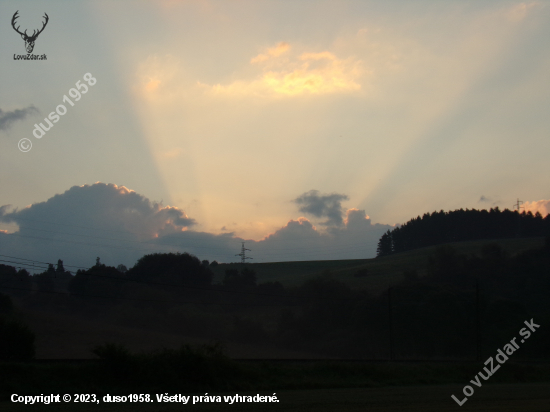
(63, 333)
(382, 272)
(322, 386)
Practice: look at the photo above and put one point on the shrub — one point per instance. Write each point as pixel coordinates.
(16, 340)
(6, 305)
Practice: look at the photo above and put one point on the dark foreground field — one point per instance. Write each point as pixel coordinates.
(298, 385)
(320, 346)
(489, 398)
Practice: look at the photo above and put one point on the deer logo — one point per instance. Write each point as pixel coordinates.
(29, 40)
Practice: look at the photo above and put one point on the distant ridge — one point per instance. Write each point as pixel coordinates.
(462, 225)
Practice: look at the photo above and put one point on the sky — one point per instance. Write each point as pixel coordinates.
(306, 129)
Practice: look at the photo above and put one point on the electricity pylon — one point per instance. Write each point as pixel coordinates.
(242, 254)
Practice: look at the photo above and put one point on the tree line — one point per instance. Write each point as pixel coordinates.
(433, 315)
(462, 225)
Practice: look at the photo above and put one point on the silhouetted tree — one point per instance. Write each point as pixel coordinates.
(461, 225)
(98, 281)
(235, 280)
(122, 268)
(60, 268)
(6, 305)
(16, 340)
(45, 280)
(384, 245)
(177, 269)
(14, 282)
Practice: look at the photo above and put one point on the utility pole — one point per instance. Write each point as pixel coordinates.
(243, 255)
(478, 324)
(390, 324)
(518, 207)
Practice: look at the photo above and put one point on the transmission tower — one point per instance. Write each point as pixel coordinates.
(242, 254)
(518, 206)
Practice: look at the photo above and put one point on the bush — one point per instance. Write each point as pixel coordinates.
(203, 367)
(16, 340)
(6, 305)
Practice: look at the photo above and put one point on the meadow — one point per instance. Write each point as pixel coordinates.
(381, 272)
(146, 353)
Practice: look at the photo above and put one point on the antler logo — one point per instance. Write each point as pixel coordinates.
(29, 40)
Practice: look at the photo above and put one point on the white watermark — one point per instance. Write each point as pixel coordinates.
(24, 145)
(40, 129)
(501, 357)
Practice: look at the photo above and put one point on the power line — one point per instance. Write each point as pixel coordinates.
(14, 220)
(37, 261)
(145, 250)
(188, 286)
(142, 242)
(23, 264)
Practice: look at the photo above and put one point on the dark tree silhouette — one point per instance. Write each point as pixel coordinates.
(385, 245)
(235, 280)
(98, 281)
(172, 268)
(462, 225)
(16, 340)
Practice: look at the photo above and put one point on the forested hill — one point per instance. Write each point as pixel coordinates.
(461, 225)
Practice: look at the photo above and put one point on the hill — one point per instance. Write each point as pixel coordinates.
(325, 309)
(461, 225)
(374, 275)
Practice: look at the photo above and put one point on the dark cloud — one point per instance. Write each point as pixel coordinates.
(294, 231)
(4, 209)
(120, 226)
(318, 205)
(485, 199)
(91, 220)
(104, 206)
(356, 238)
(7, 118)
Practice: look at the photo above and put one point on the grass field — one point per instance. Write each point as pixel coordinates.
(382, 272)
(63, 334)
(300, 386)
(437, 398)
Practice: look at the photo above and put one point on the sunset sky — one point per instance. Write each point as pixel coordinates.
(306, 128)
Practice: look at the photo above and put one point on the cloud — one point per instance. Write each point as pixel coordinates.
(491, 200)
(271, 52)
(299, 239)
(120, 226)
(294, 230)
(173, 153)
(355, 218)
(7, 118)
(519, 12)
(86, 221)
(541, 206)
(308, 73)
(329, 206)
(156, 77)
(104, 207)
